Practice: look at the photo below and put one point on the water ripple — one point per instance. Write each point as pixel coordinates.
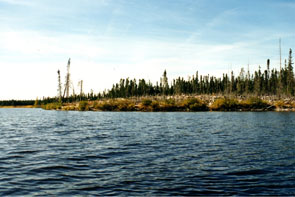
(51, 153)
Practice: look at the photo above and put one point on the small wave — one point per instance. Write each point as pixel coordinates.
(52, 168)
(13, 156)
(45, 180)
(89, 188)
(90, 157)
(114, 153)
(24, 152)
(133, 144)
(59, 124)
(248, 172)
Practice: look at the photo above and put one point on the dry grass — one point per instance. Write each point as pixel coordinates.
(24, 106)
(177, 103)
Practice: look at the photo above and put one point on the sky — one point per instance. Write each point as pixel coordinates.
(112, 39)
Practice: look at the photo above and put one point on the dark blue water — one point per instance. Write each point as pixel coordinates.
(104, 153)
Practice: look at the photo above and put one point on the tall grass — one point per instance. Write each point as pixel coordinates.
(83, 106)
(250, 104)
(225, 104)
(171, 104)
(52, 106)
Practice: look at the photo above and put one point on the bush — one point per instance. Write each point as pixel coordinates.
(69, 108)
(106, 106)
(52, 106)
(170, 101)
(198, 107)
(131, 107)
(155, 106)
(96, 105)
(254, 103)
(146, 102)
(124, 105)
(115, 105)
(280, 104)
(83, 106)
(225, 104)
(194, 104)
(168, 105)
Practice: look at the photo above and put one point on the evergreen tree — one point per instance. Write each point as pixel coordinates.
(260, 83)
(290, 75)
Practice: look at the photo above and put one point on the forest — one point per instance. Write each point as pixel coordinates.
(16, 102)
(268, 82)
(260, 83)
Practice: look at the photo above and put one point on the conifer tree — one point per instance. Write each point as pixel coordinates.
(290, 75)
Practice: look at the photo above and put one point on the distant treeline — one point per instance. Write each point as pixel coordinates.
(259, 83)
(267, 82)
(17, 102)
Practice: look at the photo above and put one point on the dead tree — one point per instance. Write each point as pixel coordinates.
(81, 88)
(59, 87)
(67, 83)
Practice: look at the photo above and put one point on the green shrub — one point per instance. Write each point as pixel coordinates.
(193, 104)
(225, 104)
(131, 107)
(170, 101)
(115, 105)
(170, 107)
(155, 106)
(52, 106)
(198, 107)
(254, 103)
(83, 106)
(95, 105)
(146, 102)
(122, 106)
(106, 106)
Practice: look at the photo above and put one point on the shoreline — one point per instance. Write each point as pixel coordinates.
(96, 110)
(179, 104)
(21, 106)
(252, 110)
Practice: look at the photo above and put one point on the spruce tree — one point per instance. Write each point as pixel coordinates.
(290, 75)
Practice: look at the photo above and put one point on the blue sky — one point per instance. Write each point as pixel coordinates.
(112, 39)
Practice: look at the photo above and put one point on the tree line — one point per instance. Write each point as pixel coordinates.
(268, 82)
(259, 83)
(16, 102)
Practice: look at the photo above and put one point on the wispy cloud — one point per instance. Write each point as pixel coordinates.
(108, 40)
(222, 18)
(32, 43)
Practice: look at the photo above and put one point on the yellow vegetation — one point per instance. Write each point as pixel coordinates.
(173, 104)
(225, 104)
(50, 106)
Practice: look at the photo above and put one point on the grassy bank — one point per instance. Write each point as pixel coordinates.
(19, 106)
(178, 103)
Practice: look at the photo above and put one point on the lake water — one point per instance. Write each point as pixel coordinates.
(134, 153)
